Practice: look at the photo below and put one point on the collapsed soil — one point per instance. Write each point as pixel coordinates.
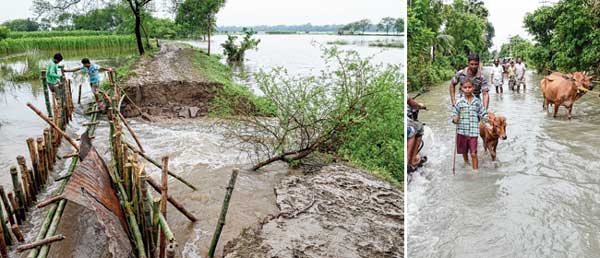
(339, 212)
(168, 85)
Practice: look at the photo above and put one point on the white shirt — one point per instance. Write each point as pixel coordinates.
(497, 72)
(520, 70)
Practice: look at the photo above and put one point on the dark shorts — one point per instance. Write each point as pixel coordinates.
(52, 86)
(414, 128)
(466, 144)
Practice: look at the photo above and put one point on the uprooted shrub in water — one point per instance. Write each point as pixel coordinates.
(353, 108)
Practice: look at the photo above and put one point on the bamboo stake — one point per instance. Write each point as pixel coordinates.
(155, 222)
(42, 160)
(163, 203)
(35, 244)
(61, 132)
(5, 229)
(3, 248)
(15, 207)
(52, 229)
(28, 196)
(147, 210)
(46, 95)
(221, 223)
(18, 193)
(7, 206)
(49, 201)
(172, 200)
(50, 151)
(131, 147)
(34, 163)
(137, 141)
(18, 233)
(79, 95)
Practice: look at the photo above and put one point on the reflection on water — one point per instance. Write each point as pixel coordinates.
(540, 199)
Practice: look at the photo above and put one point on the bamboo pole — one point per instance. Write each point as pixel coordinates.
(7, 207)
(34, 163)
(49, 201)
(172, 200)
(15, 207)
(5, 229)
(46, 95)
(61, 132)
(79, 95)
(52, 229)
(18, 193)
(137, 141)
(35, 244)
(3, 245)
(163, 203)
(17, 232)
(155, 222)
(147, 211)
(221, 223)
(27, 194)
(50, 151)
(131, 147)
(42, 160)
(51, 212)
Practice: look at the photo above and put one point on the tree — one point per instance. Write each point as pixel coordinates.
(4, 31)
(363, 25)
(399, 25)
(236, 53)
(22, 25)
(386, 24)
(104, 19)
(137, 9)
(191, 15)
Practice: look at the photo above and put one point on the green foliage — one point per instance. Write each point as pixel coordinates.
(4, 31)
(22, 25)
(195, 17)
(56, 33)
(338, 42)
(567, 35)
(31, 70)
(436, 51)
(64, 43)
(386, 24)
(103, 19)
(399, 25)
(234, 52)
(517, 47)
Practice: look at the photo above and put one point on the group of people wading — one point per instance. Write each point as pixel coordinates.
(469, 112)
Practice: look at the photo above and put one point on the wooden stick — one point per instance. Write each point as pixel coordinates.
(46, 95)
(70, 155)
(7, 206)
(221, 223)
(35, 244)
(172, 200)
(3, 245)
(49, 148)
(18, 233)
(137, 141)
(15, 207)
(42, 158)
(90, 123)
(5, 229)
(61, 132)
(27, 194)
(79, 96)
(163, 203)
(131, 147)
(49, 201)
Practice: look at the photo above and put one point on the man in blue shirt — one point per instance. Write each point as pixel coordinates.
(92, 71)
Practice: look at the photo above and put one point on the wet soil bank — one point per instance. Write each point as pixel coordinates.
(337, 212)
(167, 85)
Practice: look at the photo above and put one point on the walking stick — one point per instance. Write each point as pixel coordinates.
(455, 148)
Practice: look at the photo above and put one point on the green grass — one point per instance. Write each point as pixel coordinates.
(338, 42)
(60, 33)
(66, 43)
(389, 44)
(233, 96)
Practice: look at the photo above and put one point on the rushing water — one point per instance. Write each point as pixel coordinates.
(197, 149)
(539, 199)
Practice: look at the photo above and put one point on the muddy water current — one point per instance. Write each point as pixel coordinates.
(197, 149)
(541, 198)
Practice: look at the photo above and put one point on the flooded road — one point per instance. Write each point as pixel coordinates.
(540, 199)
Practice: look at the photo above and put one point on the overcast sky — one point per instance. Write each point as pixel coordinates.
(507, 17)
(271, 12)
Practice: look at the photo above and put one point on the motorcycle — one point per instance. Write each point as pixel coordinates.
(413, 113)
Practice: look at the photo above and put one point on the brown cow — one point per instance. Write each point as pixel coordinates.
(490, 135)
(560, 89)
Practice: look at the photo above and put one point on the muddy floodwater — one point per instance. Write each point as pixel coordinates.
(541, 198)
(195, 147)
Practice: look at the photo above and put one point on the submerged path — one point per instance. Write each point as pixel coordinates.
(540, 199)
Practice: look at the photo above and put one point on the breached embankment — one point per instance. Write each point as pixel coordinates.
(168, 85)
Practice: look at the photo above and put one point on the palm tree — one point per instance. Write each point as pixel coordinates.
(444, 44)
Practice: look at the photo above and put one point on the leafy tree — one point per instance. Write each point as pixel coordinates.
(104, 19)
(386, 24)
(22, 25)
(4, 32)
(399, 25)
(567, 36)
(191, 15)
(363, 25)
(517, 47)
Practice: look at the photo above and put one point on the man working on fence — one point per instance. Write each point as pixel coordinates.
(52, 76)
(92, 71)
(471, 72)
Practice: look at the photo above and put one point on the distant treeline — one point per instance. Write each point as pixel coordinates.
(284, 28)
